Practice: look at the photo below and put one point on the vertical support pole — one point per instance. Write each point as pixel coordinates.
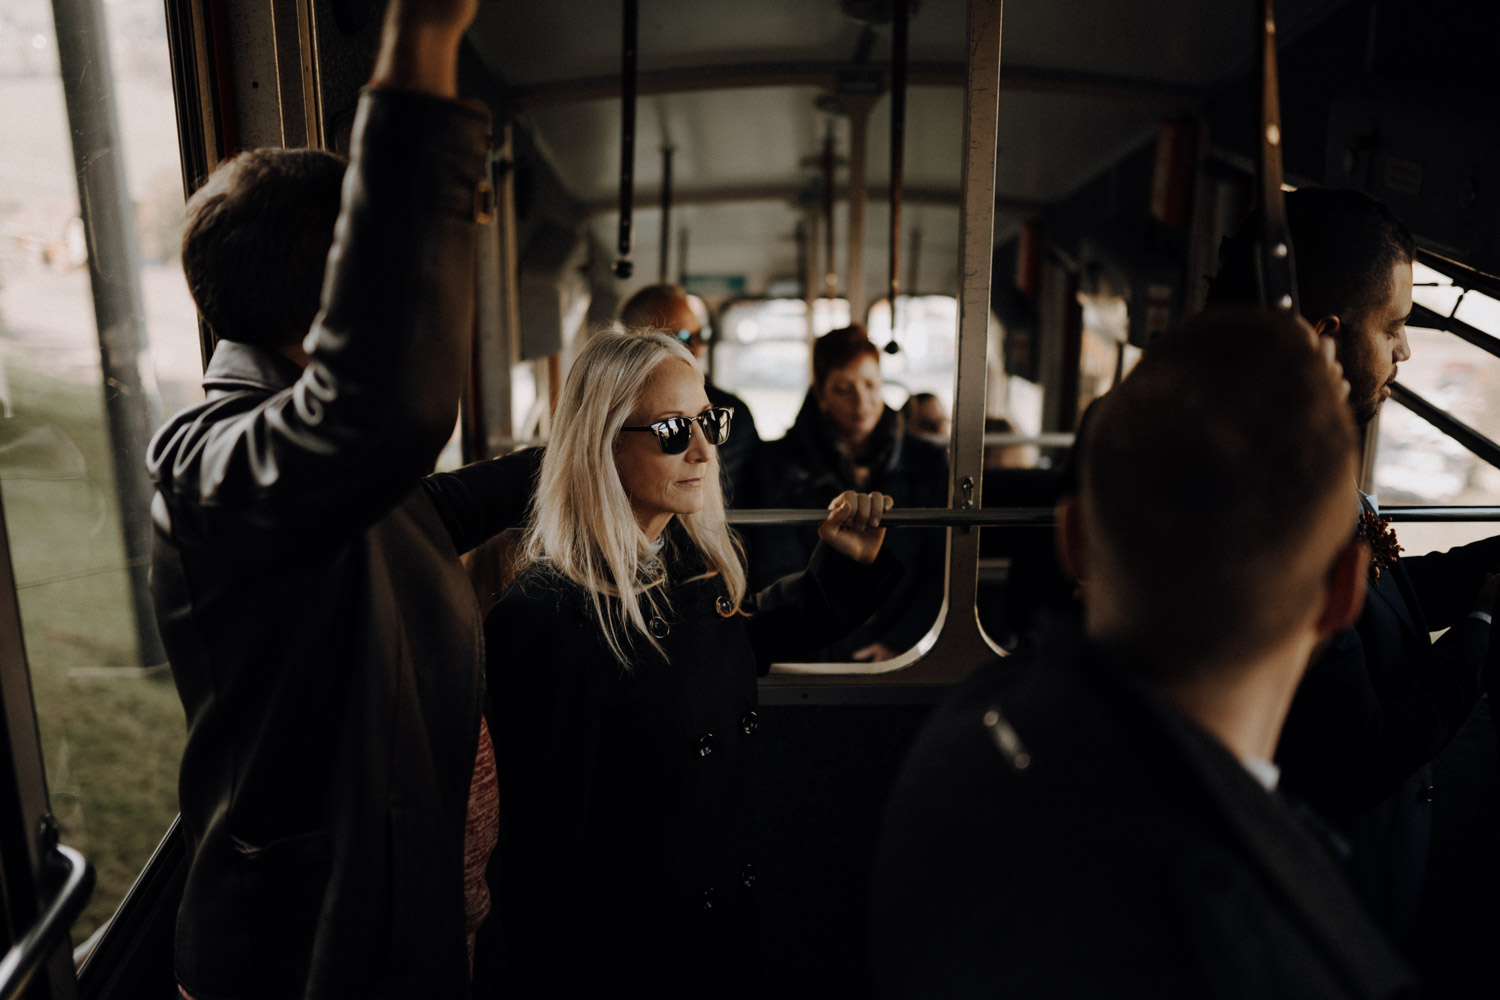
(854, 284)
(666, 214)
(1278, 283)
(497, 315)
(810, 275)
(900, 17)
(131, 407)
(961, 640)
(913, 267)
(296, 55)
(207, 112)
(830, 194)
(630, 21)
(307, 50)
(286, 32)
(510, 287)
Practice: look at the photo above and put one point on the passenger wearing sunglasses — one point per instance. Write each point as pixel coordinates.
(623, 686)
(666, 308)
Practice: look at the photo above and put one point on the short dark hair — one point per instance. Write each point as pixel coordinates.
(256, 243)
(1208, 475)
(651, 307)
(838, 348)
(1344, 244)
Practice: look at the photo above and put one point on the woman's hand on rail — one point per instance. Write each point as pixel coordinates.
(853, 524)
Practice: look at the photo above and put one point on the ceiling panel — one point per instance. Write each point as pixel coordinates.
(767, 140)
(529, 43)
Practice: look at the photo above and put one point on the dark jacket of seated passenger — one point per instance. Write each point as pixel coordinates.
(323, 637)
(1061, 830)
(626, 865)
(807, 469)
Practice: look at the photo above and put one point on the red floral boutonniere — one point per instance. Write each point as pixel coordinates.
(1383, 548)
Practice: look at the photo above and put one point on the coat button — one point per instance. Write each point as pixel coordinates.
(1427, 794)
(750, 722)
(659, 627)
(747, 876)
(705, 744)
(707, 899)
(725, 606)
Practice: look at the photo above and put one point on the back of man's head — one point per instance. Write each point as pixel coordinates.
(257, 240)
(657, 307)
(1216, 492)
(1344, 243)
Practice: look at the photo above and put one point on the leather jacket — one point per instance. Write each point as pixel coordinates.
(323, 636)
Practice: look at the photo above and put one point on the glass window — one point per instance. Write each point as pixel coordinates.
(111, 726)
(761, 354)
(927, 331)
(1416, 463)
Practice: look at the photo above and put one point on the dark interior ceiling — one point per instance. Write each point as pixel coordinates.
(733, 87)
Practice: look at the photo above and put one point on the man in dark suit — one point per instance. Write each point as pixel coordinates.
(1383, 699)
(1099, 819)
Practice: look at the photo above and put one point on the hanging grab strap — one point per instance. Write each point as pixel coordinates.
(1275, 265)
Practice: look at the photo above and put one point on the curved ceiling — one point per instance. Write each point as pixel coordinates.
(734, 88)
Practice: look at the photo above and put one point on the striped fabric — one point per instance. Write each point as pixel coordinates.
(481, 831)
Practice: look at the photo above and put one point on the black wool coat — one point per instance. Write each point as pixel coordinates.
(1061, 830)
(625, 861)
(806, 469)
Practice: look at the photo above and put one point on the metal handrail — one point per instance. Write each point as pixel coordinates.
(1440, 514)
(1431, 319)
(1041, 517)
(909, 517)
(1463, 275)
(36, 946)
(1444, 421)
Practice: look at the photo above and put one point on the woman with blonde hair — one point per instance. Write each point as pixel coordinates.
(622, 681)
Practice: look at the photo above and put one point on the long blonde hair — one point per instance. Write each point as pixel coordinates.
(582, 523)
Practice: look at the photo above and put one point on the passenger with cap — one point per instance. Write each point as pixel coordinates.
(338, 785)
(667, 308)
(1101, 817)
(1380, 703)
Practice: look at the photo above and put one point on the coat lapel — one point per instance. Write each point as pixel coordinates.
(1290, 858)
(1394, 589)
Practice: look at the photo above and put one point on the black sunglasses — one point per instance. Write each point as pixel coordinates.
(674, 434)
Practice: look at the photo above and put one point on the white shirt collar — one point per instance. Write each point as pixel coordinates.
(1263, 771)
